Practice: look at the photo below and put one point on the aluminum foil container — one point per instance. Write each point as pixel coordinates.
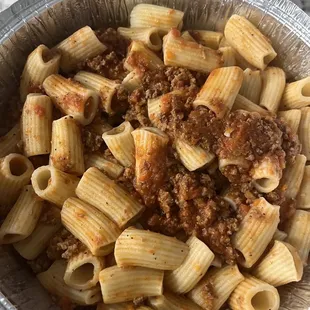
(31, 22)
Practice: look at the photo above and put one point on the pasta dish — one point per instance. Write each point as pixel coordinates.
(155, 167)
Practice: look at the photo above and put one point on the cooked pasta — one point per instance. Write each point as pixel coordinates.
(9, 142)
(137, 247)
(72, 98)
(15, 173)
(251, 85)
(242, 103)
(291, 118)
(67, 148)
(304, 132)
(187, 36)
(90, 226)
(132, 81)
(103, 193)
(279, 235)
(117, 306)
(280, 266)
(36, 125)
(220, 90)
(148, 15)
(255, 294)
(303, 197)
(124, 284)
(229, 56)
(222, 281)
(54, 185)
(15, 227)
(53, 281)
(207, 38)
(249, 42)
(256, 231)
(121, 143)
(40, 64)
(182, 53)
(83, 270)
(193, 268)
(79, 46)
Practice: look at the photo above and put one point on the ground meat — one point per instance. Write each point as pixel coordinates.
(168, 224)
(208, 295)
(40, 264)
(50, 214)
(63, 245)
(91, 140)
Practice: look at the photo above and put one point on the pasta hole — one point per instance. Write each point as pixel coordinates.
(263, 182)
(48, 55)
(43, 179)
(263, 301)
(240, 257)
(155, 39)
(268, 58)
(83, 274)
(305, 91)
(10, 238)
(18, 166)
(89, 108)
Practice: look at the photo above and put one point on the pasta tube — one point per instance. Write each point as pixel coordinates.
(137, 247)
(31, 247)
(54, 185)
(67, 148)
(90, 226)
(83, 270)
(242, 103)
(40, 64)
(303, 197)
(304, 132)
(252, 293)
(187, 36)
(229, 56)
(291, 118)
(207, 38)
(280, 266)
(220, 90)
(179, 52)
(279, 235)
(141, 58)
(249, 42)
(23, 217)
(292, 176)
(266, 174)
(298, 233)
(9, 142)
(151, 151)
(52, 280)
(108, 197)
(252, 85)
(223, 282)
(272, 88)
(36, 125)
(132, 80)
(15, 173)
(148, 15)
(193, 268)
(118, 306)
(121, 143)
(112, 169)
(170, 301)
(256, 231)
(72, 98)
(296, 94)
(124, 284)
(105, 88)
(149, 36)
(193, 157)
(79, 46)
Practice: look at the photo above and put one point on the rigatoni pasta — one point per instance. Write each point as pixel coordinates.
(303, 197)
(79, 46)
(124, 284)
(291, 118)
(15, 173)
(136, 247)
(229, 56)
(36, 125)
(28, 206)
(90, 226)
(220, 90)
(280, 266)
(120, 143)
(108, 197)
(193, 268)
(304, 132)
(40, 64)
(242, 103)
(207, 38)
(67, 148)
(182, 53)
(53, 281)
(256, 231)
(54, 185)
(72, 98)
(251, 85)
(249, 42)
(148, 15)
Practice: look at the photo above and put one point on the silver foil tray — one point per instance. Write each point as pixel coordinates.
(31, 22)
